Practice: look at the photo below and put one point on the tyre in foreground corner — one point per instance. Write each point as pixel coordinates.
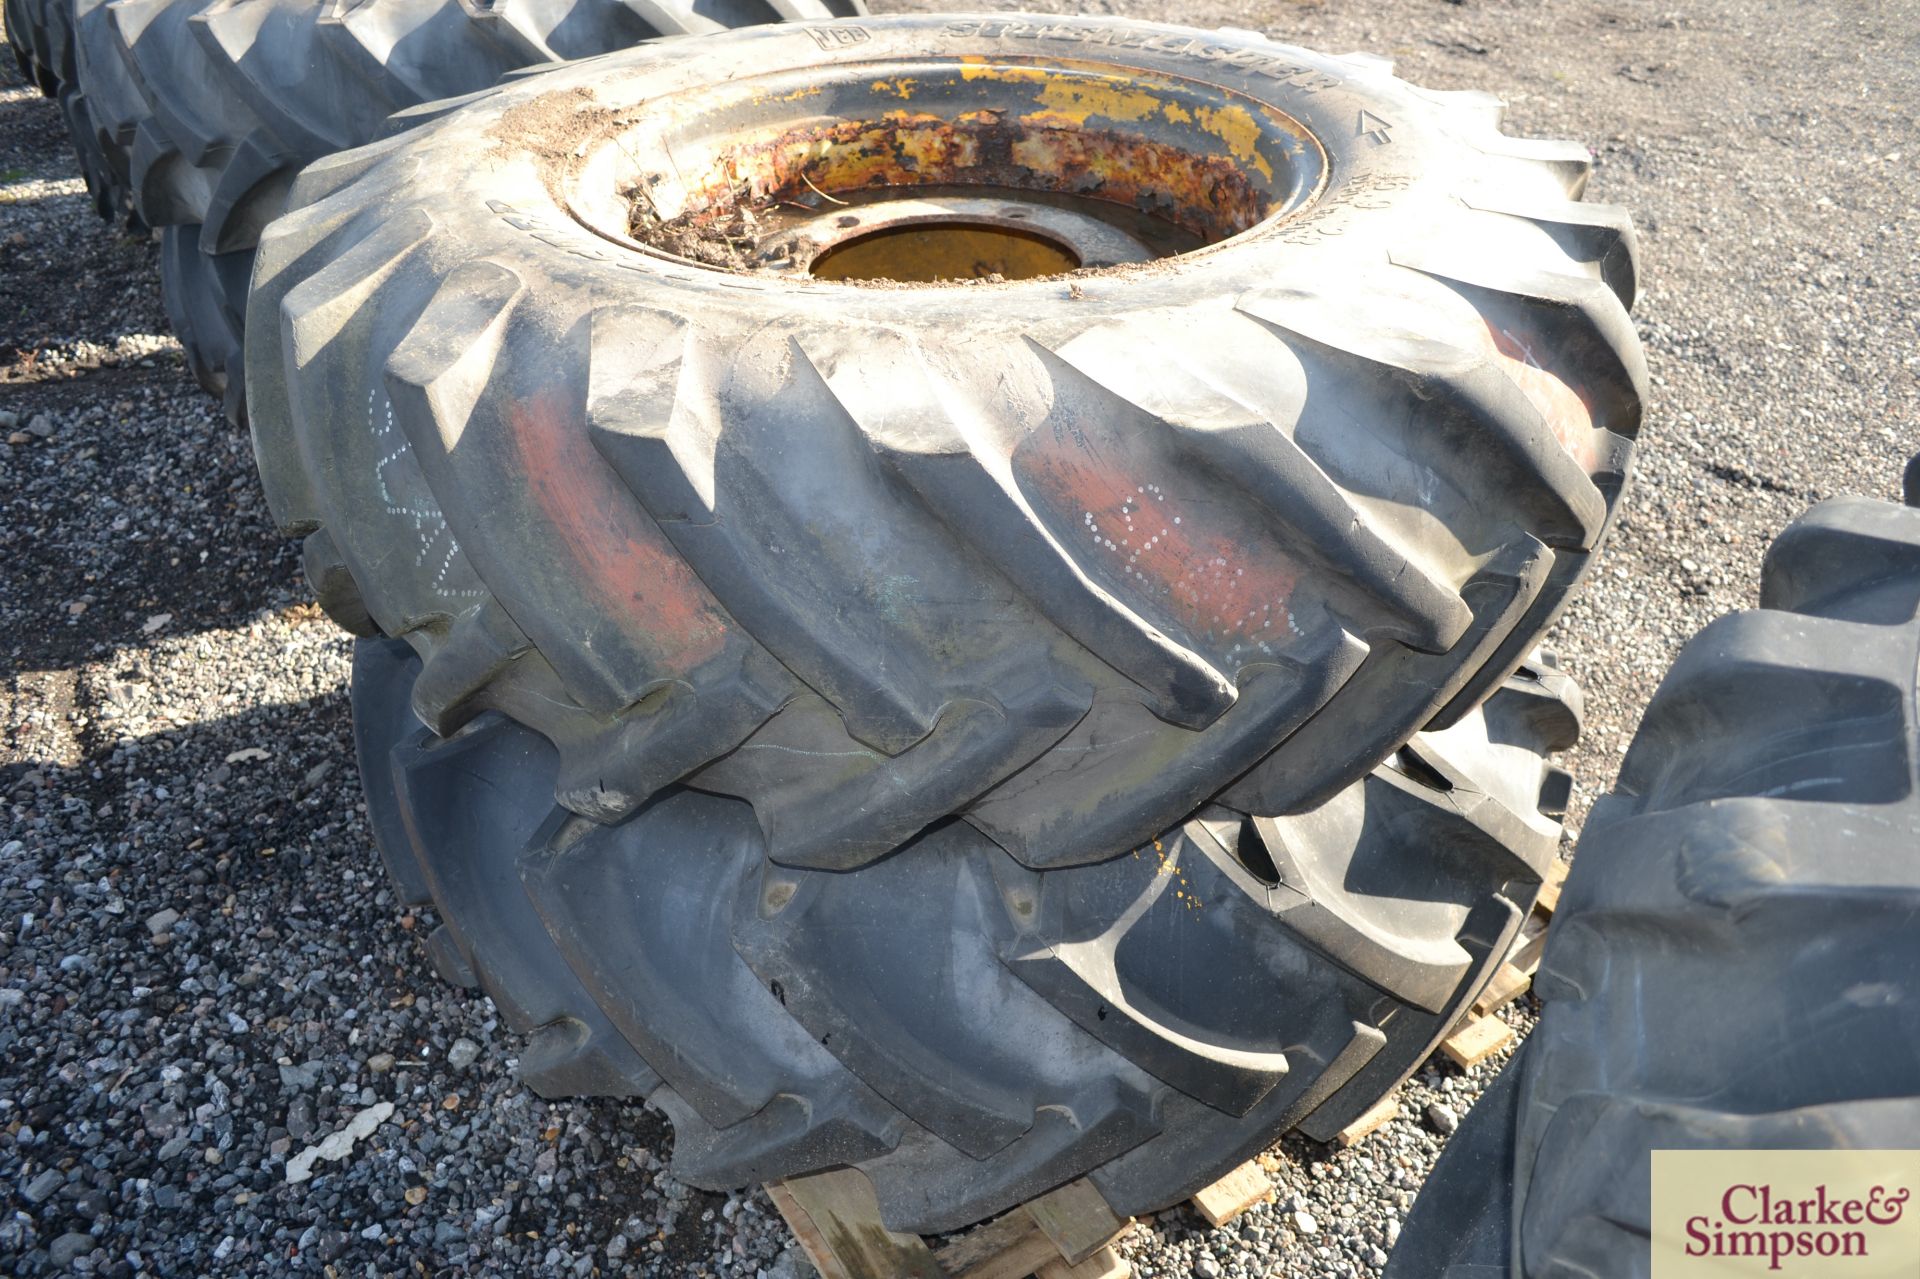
(1734, 964)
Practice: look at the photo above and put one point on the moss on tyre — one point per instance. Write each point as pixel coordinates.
(1733, 963)
(966, 1030)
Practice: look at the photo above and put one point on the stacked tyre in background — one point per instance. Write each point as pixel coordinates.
(192, 117)
(1734, 963)
(985, 732)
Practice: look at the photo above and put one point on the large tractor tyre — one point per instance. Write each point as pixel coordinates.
(240, 94)
(1734, 963)
(801, 568)
(195, 116)
(104, 107)
(1067, 556)
(967, 1030)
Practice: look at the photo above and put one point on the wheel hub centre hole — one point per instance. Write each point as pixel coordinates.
(928, 252)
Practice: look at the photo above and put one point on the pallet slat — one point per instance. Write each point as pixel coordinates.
(1550, 885)
(1478, 1040)
(1064, 1234)
(836, 1218)
(1104, 1264)
(998, 1250)
(1026, 1256)
(1076, 1218)
(1383, 1111)
(1507, 985)
(1233, 1194)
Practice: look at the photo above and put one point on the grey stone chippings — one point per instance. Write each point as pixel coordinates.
(243, 980)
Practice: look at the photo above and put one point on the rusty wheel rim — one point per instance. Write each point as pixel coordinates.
(921, 172)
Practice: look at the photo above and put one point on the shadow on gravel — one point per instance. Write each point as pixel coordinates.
(144, 595)
(276, 778)
(125, 497)
(203, 970)
(137, 515)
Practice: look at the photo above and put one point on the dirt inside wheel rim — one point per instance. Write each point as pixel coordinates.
(947, 170)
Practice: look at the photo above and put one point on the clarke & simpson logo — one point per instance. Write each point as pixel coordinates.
(1795, 1214)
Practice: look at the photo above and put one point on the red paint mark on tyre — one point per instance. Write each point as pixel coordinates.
(1565, 411)
(607, 542)
(1198, 565)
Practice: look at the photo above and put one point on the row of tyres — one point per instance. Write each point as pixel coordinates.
(193, 118)
(991, 735)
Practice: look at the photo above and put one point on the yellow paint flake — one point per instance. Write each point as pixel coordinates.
(1075, 98)
(1079, 99)
(975, 67)
(806, 91)
(1236, 127)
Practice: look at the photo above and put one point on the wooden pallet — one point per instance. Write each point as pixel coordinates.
(1383, 1110)
(1481, 1034)
(1233, 1194)
(1066, 1234)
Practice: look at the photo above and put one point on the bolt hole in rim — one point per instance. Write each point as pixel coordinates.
(944, 170)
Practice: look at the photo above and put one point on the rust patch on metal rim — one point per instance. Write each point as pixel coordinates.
(721, 176)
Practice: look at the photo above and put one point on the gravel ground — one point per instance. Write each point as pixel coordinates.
(202, 972)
